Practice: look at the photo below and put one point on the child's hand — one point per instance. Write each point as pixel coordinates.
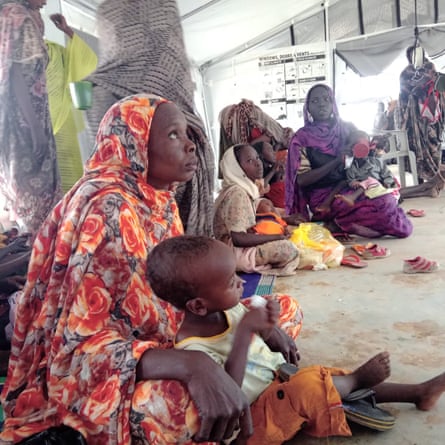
(279, 166)
(354, 184)
(295, 219)
(262, 318)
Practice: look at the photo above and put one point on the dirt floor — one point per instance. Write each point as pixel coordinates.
(351, 314)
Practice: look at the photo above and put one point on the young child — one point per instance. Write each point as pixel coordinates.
(365, 174)
(272, 184)
(269, 221)
(197, 274)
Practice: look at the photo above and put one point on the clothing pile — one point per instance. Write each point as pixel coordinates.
(15, 252)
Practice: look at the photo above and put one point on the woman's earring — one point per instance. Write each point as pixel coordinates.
(310, 118)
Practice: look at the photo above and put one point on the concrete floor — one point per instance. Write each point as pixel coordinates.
(351, 314)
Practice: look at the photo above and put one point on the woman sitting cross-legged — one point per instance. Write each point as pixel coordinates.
(235, 216)
(92, 350)
(315, 166)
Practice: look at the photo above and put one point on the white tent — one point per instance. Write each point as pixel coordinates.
(224, 37)
(218, 29)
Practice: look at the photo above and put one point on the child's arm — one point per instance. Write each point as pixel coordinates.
(250, 239)
(256, 321)
(277, 169)
(387, 177)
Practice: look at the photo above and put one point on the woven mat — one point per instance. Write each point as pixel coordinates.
(257, 284)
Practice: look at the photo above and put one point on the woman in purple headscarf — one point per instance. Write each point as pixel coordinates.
(315, 166)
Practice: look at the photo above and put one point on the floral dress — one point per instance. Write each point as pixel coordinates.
(87, 313)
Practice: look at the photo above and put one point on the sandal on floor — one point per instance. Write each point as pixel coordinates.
(343, 237)
(353, 260)
(419, 265)
(360, 407)
(416, 213)
(371, 251)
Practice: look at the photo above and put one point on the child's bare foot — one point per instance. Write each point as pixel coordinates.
(346, 199)
(437, 184)
(374, 371)
(431, 391)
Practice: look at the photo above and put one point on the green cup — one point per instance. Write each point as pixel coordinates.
(81, 94)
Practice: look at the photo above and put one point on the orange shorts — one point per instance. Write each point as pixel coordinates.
(309, 401)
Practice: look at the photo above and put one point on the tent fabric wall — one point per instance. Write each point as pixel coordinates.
(231, 27)
(220, 33)
(370, 55)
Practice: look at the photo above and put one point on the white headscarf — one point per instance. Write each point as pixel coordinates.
(233, 174)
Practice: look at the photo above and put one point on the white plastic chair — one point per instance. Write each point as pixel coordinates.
(399, 150)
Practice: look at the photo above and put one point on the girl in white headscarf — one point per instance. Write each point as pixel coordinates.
(235, 216)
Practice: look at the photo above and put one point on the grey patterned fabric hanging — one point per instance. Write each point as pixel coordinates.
(142, 51)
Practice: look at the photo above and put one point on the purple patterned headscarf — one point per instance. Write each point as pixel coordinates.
(326, 136)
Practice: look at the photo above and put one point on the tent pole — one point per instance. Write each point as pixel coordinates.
(292, 34)
(329, 58)
(360, 17)
(398, 15)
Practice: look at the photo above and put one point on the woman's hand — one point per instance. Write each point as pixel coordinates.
(279, 341)
(60, 22)
(222, 406)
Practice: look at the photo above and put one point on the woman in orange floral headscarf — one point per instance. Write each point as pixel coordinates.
(89, 328)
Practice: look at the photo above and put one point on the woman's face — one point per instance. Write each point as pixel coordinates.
(250, 162)
(171, 154)
(320, 104)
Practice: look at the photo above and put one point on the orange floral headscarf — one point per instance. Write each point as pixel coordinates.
(87, 313)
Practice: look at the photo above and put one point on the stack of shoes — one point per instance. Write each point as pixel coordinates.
(419, 265)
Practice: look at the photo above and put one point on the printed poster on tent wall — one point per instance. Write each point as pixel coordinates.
(286, 76)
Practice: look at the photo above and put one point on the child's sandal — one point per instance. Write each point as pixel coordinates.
(419, 265)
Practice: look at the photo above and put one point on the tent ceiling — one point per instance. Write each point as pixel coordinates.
(215, 29)
(226, 24)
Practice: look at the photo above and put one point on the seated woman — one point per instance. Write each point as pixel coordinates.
(247, 123)
(92, 345)
(315, 166)
(235, 212)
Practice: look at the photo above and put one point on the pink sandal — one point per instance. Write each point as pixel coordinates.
(416, 213)
(419, 265)
(371, 251)
(353, 260)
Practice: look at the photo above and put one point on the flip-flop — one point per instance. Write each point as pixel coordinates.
(371, 251)
(343, 237)
(353, 260)
(360, 407)
(416, 213)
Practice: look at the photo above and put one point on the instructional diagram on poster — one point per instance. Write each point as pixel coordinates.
(287, 74)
